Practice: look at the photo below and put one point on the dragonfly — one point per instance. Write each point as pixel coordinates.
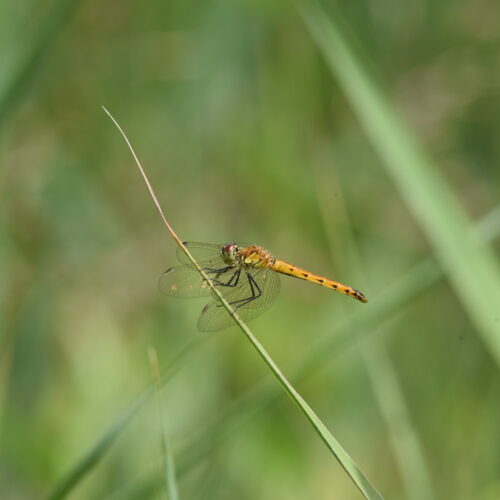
(246, 275)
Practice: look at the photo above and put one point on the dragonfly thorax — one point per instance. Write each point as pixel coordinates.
(255, 256)
(250, 256)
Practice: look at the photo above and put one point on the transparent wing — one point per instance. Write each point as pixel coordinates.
(183, 281)
(202, 252)
(186, 282)
(250, 293)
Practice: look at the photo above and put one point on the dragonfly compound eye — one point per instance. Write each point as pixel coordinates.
(229, 253)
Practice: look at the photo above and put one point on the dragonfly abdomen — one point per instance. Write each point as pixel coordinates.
(283, 267)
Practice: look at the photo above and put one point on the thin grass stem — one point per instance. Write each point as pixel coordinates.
(354, 472)
(168, 459)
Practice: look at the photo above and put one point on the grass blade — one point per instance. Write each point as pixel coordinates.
(336, 449)
(469, 265)
(96, 453)
(168, 461)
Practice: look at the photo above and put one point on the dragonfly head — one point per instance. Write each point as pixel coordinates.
(230, 253)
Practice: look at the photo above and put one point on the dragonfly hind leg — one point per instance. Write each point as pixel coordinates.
(254, 288)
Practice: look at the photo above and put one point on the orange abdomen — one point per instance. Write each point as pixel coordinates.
(283, 267)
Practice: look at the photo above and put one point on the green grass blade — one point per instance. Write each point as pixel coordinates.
(95, 454)
(84, 466)
(168, 460)
(469, 265)
(339, 453)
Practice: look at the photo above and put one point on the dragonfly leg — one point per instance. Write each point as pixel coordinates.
(256, 293)
(217, 271)
(256, 290)
(233, 280)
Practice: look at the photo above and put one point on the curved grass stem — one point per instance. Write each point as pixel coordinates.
(354, 472)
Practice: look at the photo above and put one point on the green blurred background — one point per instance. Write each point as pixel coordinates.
(246, 136)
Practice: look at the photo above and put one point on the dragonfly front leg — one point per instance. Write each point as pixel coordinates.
(233, 280)
(218, 272)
